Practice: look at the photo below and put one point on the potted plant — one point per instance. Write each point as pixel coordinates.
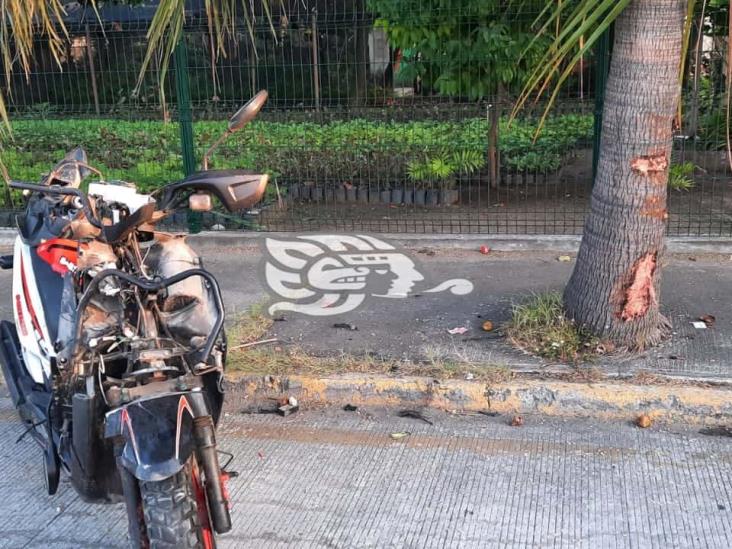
(408, 194)
(418, 172)
(464, 162)
(295, 191)
(351, 193)
(317, 193)
(385, 195)
(397, 195)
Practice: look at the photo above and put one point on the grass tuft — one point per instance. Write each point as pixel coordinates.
(248, 327)
(540, 327)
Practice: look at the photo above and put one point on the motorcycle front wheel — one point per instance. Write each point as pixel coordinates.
(175, 511)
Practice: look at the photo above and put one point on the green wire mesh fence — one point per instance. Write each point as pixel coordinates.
(361, 132)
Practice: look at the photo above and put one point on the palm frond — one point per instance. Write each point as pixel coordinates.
(21, 21)
(584, 25)
(581, 26)
(166, 30)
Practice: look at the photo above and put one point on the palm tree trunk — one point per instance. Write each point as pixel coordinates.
(614, 289)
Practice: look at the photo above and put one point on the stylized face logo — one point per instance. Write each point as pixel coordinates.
(323, 275)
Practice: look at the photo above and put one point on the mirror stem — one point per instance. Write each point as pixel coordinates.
(204, 160)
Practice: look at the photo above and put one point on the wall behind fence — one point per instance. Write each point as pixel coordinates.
(359, 134)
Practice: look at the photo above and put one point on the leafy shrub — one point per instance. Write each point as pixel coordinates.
(148, 153)
(679, 176)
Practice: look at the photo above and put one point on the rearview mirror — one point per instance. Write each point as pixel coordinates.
(241, 118)
(248, 112)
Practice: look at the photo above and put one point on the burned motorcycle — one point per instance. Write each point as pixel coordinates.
(115, 361)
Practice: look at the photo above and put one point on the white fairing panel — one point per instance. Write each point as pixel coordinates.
(33, 336)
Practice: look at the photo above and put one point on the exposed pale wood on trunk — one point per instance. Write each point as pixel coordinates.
(613, 290)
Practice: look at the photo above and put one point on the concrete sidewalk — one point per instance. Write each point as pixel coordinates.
(335, 479)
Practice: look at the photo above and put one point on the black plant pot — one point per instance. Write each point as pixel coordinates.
(295, 191)
(385, 197)
(420, 197)
(432, 197)
(408, 197)
(363, 195)
(317, 194)
(448, 197)
(351, 194)
(340, 194)
(397, 195)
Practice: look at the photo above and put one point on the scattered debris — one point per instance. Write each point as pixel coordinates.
(345, 326)
(426, 251)
(470, 376)
(699, 325)
(717, 431)
(721, 507)
(414, 414)
(692, 258)
(459, 330)
(258, 410)
(280, 318)
(289, 408)
(564, 258)
(489, 413)
(485, 250)
(253, 343)
(350, 408)
(709, 320)
(260, 455)
(399, 436)
(643, 421)
(487, 326)
(517, 421)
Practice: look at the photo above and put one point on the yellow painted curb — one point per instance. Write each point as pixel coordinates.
(605, 400)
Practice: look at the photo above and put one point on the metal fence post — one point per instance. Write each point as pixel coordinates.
(185, 120)
(602, 68)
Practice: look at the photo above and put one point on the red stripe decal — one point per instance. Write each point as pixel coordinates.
(21, 315)
(182, 405)
(29, 304)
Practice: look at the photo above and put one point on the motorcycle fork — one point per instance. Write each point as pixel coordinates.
(205, 437)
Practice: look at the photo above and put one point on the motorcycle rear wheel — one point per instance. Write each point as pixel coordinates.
(175, 511)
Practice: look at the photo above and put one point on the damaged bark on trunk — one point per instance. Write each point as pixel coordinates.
(614, 288)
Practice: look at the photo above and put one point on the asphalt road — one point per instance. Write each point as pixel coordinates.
(417, 326)
(335, 479)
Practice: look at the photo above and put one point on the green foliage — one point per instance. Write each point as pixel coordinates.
(679, 176)
(148, 153)
(713, 129)
(443, 166)
(464, 48)
(539, 326)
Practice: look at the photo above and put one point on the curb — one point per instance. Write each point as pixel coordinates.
(606, 400)
(497, 242)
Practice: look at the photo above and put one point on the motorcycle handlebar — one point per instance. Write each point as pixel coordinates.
(62, 191)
